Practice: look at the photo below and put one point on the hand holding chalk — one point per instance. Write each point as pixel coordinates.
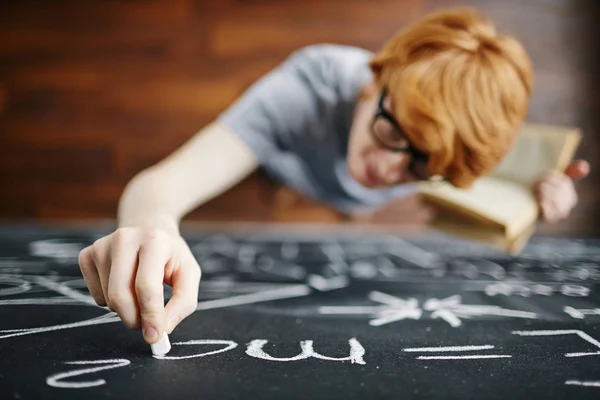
(126, 271)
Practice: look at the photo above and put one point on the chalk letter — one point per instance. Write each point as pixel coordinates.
(229, 345)
(255, 349)
(55, 380)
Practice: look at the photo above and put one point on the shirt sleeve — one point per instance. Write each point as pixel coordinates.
(283, 104)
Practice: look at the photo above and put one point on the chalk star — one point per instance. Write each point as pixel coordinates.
(394, 309)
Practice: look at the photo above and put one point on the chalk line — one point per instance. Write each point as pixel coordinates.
(579, 333)
(413, 253)
(103, 319)
(325, 284)
(65, 291)
(55, 380)
(473, 357)
(582, 354)
(447, 316)
(23, 285)
(352, 309)
(449, 348)
(230, 346)
(412, 313)
(583, 383)
(357, 351)
(268, 295)
(41, 301)
(390, 300)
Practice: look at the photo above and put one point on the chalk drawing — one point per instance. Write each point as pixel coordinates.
(575, 290)
(19, 285)
(57, 249)
(56, 380)
(65, 291)
(357, 351)
(579, 333)
(103, 319)
(523, 289)
(583, 383)
(288, 292)
(448, 348)
(42, 301)
(580, 313)
(229, 345)
(323, 284)
(449, 309)
(471, 357)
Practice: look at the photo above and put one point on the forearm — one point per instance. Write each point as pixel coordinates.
(209, 164)
(142, 204)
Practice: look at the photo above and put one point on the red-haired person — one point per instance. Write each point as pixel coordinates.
(355, 130)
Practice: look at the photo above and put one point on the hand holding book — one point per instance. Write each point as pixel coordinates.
(533, 182)
(555, 191)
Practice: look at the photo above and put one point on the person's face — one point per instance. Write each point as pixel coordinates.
(379, 153)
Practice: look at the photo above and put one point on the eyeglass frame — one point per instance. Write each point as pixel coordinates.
(415, 155)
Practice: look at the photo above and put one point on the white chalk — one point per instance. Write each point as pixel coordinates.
(162, 347)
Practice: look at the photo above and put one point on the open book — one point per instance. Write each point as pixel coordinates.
(500, 208)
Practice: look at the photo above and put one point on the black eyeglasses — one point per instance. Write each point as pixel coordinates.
(388, 133)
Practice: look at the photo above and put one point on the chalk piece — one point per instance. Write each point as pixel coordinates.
(162, 347)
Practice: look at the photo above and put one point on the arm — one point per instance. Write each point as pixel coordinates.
(126, 269)
(213, 161)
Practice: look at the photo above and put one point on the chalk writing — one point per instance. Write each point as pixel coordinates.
(357, 351)
(449, 309)
(229, 345)
(579, 333)
(323, 284)
(56, 380)
(103, 319)
(18, 285)
(447, 349)
(286, 292)
(575, 290)
(583, 383)
(57, 249)
(580, 313)
(518, 289)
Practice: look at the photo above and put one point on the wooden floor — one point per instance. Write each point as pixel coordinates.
(93, 91)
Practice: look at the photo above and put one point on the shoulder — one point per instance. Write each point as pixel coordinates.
(330, 52)
(329, 55)
(337, 66)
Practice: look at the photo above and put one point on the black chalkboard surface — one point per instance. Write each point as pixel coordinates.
(301, 315)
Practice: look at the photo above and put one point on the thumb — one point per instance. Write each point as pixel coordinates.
(578, 169)
(183, 302)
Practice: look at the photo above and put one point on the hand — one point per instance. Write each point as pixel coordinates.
(555, 191)
(126, 270)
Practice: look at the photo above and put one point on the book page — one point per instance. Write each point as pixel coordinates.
(506, 203)
(539, 148)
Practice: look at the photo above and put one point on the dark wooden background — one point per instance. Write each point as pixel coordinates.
(93, 91)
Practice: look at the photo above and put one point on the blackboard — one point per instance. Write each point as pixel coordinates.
(312, 315)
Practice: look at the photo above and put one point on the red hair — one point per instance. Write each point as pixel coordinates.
(459, 89)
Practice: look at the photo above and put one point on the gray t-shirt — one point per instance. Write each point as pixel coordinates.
(297, 121)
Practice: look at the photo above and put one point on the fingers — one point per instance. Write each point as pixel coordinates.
(153, 256)
(578, 169)
(101, 257)
(90, 275)
(126, 271)
(556, 195)
(185, 281)
(124, 261)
